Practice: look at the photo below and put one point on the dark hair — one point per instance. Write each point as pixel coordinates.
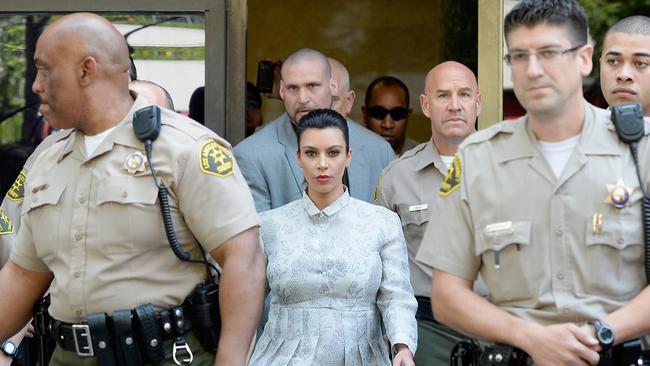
(197, 105)
(322, 119)
(564, 13)
(253, 94)
(636, 24)
(386, 81)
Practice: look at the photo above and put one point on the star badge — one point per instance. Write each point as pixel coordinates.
(618, 194)
(135, 162)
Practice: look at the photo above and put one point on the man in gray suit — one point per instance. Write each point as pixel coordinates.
(268, 158)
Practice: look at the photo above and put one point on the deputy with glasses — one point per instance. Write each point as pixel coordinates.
(386, 112)
(547, 209)
(408, 186)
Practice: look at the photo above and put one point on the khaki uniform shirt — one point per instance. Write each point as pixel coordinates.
(97, 225)
(13, 202)
(409, 186)
(550, 250)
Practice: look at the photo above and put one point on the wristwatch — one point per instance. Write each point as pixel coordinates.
(604, 334)
(9, 348)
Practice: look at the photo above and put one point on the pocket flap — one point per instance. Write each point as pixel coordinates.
(127, 190)
(45, 193)
(618, 232)
(496, 236)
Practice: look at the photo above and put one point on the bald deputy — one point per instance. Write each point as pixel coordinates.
(409, 186)
(91, 222)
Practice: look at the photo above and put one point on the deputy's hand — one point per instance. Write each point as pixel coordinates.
(403, 357)
(561, 345)
(5, 360)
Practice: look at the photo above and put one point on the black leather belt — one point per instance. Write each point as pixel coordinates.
(424, 308)
(128, 337)
(499, 354)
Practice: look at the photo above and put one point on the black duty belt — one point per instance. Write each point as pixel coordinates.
(127, 337)
(499, 354)
(424, 308)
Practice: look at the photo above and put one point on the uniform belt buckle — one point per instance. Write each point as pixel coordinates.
(82, 331)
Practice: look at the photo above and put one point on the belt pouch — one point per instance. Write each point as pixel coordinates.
(125, 339)
(151, 334)
(101, 339)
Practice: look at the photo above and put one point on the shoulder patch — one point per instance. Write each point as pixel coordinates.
(6, 227)
(376, 195)
(452, 178)
(215, 159)
(17, 190)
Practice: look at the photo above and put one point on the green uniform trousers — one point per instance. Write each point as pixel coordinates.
(60, 357)
(435, 342)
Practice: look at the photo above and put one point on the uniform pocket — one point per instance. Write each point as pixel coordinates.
(505, 251)
(129, 216)
(614, 258)
(44, 210)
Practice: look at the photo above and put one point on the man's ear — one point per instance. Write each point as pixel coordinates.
(334, 87)
(424, 104)
(585, 59)
(479, 103)
(281, 89)
(350, 96)
(87, 70)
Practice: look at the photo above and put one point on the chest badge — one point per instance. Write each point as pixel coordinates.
(618, 195)
(135, 162)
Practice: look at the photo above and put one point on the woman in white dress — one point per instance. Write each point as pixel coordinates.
(337, 267)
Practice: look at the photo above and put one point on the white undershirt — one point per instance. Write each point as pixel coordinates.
(91, 142)
(557, 154)
(447, 160)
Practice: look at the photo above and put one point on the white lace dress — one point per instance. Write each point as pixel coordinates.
(336, 276)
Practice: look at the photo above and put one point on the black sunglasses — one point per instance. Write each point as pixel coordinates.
(379, 112)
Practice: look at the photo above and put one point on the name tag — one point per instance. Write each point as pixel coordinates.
(499, 226)
(418, 207)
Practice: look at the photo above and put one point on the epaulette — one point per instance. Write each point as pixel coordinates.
(408, 154)
(185, 125)
(492, 131)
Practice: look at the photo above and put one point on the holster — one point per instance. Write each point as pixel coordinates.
(125, 338)
(203, 310)
(45, 344)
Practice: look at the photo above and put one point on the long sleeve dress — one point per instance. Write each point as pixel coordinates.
(336, 276)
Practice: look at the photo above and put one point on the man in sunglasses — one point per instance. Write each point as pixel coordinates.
(386, 112)
(625, 62)
(452, 101)
(547, 209)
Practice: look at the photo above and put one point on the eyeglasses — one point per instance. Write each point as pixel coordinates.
(379, 112)
(544, 55)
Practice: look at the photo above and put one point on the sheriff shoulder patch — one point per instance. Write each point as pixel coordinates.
(376, 195)
(17, 190)
(452, 178)
(215, 159)
(6, 227)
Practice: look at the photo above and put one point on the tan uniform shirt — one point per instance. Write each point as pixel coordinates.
(550, 250)
(13, 201)
(409, 186)
(96, 223)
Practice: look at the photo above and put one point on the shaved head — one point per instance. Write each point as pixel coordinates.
(153, 93)
(87, 34)
(82, 78)
(452, 101)
(343, 99)
(306, 83)
(637, 24)
(449, 66)
(316, 58)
